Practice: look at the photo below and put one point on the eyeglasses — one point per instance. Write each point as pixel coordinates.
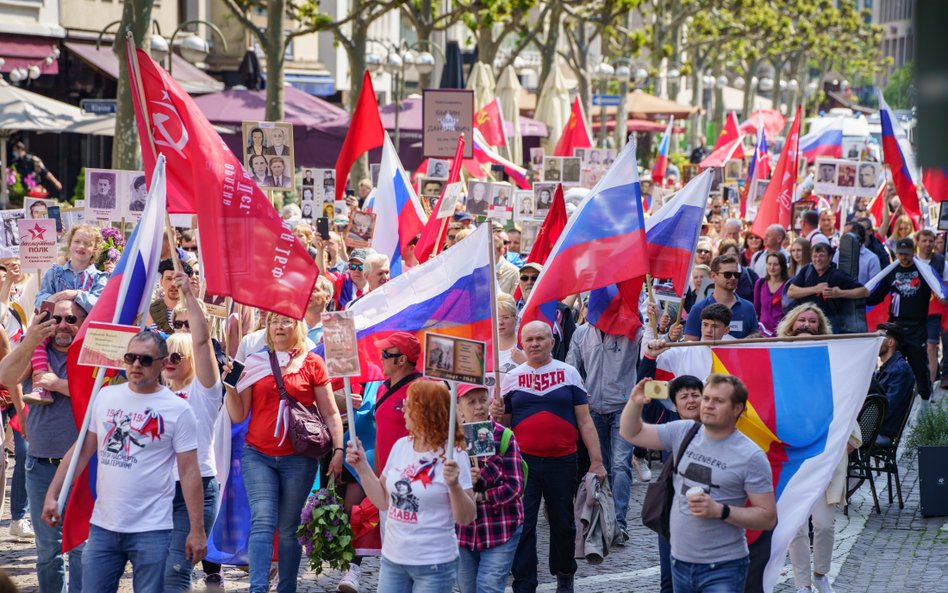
(703, 251)
(528, 278)
(283, 322)
(181, 324)
(146, 359)
(354, 267)
(388, 355)
(70, 319)
(730, 275)
(175, 358)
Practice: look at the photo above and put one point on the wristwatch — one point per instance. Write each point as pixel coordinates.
(725, 511)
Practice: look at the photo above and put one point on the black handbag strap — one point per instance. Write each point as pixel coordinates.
(689, 436)
(388, 392)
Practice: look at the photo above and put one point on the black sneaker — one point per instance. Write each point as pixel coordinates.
(564, 583)
(214, 583)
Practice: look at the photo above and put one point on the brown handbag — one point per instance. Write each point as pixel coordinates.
(659, 497)
(306, 429)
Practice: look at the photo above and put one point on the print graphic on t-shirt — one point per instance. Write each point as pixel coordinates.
(906, 283)
(129, 428)
(541, 381)
(405, 505)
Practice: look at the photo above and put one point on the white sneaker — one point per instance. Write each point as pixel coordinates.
(21, 528)
(641, 469)
(822, 584)
(350, 580)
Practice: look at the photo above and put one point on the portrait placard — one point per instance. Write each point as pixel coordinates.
(341, 344)
(445, 115)
(452, 193)
(38, 243)
(524, 208)
(36, 208)
(478, 197)
(10, 238)
(438, 169)
(480, 438)
(268, 154)
(454, 359)
(361, 229)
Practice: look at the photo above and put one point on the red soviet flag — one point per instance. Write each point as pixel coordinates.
(490, 122)
(729, 134)
(575, 134)
(775, 205)
(248, 254)
(365, 133)
(436, 230)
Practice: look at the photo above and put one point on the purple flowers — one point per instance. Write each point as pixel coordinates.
(324, 531)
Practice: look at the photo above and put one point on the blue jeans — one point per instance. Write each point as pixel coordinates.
(277, 488)
(717, 577)
(486, 571)
(617, 457)
(552, 479)
(50, 565)
(19, 501)
(107, 553)
(421, 578)
(664, 564)
(178, 568)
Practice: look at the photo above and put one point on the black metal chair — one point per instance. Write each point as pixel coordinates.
(870, 422)
(885, 456)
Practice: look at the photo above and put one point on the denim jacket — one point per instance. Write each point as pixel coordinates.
(88, 282)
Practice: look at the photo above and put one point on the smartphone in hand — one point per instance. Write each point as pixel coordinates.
(46, 310)
(234, 375)
(322, 228)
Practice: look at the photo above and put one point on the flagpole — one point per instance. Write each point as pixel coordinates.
(100, 371)
(136, 77)
(495, 333)
(452, 420)
(350, 409)
(652, 321)
(805, 338)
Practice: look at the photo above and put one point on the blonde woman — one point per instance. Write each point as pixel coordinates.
(511, 355)
(277, 479)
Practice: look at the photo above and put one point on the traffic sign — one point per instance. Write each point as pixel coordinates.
(607, 100)
(98, 106)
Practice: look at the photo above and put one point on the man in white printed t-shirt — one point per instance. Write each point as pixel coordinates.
(138, 431)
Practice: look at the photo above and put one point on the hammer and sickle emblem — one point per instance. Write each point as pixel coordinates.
(163, 136)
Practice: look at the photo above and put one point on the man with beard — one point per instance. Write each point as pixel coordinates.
(911, 294)
(895, 376)
(822, 284)
(52, 431)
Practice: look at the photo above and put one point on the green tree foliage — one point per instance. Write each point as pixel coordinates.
(900, 90)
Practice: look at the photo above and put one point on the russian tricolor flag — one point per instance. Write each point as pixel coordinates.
(825, 139)
(485, 155)
(608, 223)
(400, 216)
(124, 300)
(902, 170)
(661, 163)
(759, 168)
(671, 234)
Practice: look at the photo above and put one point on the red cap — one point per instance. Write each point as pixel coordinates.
(405, 342)
(465, 388)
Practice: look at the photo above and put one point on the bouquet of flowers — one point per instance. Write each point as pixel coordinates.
(112, 246)
(14, 183)
(325, 532)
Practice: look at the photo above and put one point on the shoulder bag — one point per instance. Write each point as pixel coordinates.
(306, 429)
(656, 508)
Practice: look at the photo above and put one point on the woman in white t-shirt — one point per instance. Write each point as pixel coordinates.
(421, 494)
(191, 373)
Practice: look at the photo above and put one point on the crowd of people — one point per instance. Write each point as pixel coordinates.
(570, 403)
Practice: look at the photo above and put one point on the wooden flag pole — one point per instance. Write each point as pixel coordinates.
(350, 410)
(495, 333)
(452, 420)
(804, 338)
(652, 321)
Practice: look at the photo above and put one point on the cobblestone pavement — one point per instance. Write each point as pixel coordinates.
(897, 551)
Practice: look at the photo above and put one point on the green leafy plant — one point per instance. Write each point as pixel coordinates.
(931, 428)
(79, 191)
(325, 532)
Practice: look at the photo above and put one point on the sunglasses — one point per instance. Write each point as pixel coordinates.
(506, 242)
(359, 267)
(388, 355)
(180, 324)
(730, 275)
(146, 359)
(175, 358)
(70, 319)
(528, 278)
(191, 249)
(452, 237)
(702, 251)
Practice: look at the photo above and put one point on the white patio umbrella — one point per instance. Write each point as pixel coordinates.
(25, 111)
(508, 91)
(554, 107)
(481, 81)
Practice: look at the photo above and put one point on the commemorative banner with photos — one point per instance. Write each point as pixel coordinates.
(268, 154)
(445, 115)
(454, 359)
(114, 194)
(841, 177)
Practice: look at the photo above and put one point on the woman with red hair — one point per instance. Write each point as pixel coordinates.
(422, 494)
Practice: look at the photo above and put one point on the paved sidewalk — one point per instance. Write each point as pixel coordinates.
(897, 551)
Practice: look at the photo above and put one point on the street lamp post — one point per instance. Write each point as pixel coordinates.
(401, 57)
(604, 72)
(194, 48)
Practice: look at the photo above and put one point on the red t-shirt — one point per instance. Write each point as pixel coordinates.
(390, 418)
(265, 403)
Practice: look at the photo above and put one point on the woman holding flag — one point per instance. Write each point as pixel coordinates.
(276, 478)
